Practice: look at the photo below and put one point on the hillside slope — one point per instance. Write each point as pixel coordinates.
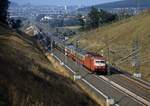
(143, 4)
(120, 36)
(126, 4)
(27, 78)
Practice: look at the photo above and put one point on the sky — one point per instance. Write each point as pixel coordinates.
(63, 2)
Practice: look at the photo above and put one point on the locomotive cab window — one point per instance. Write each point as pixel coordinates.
(98, 61)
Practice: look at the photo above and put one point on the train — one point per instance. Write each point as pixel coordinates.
(92, 61)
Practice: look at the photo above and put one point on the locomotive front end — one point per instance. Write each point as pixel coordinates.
(100, 65)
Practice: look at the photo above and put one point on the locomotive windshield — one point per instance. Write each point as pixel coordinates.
(100, 61)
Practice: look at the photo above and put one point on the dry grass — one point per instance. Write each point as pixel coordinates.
(60, 69)
(120, 36)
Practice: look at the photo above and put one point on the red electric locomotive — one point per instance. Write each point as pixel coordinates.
(95, 62)
(92, 61)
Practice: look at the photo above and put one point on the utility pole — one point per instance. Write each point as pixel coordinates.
(77, 62)
(65, 51)
(108, 54)
(77, 76)
(136, 58)
(51, 45)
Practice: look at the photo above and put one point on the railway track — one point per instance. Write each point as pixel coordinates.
(138, 88)
(135, 96)
(123, 90)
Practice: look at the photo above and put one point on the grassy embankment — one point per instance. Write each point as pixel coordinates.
(30, 79)
(119, 36)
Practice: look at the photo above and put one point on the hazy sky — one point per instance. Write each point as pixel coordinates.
(63, 2)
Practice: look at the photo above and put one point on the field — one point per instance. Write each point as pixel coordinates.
(119, 38)
(29, 79)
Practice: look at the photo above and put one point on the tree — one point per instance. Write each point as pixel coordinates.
(94, 17)
(81, 21)
(18, 23)
(106, 17)
(15, 23)
(4, 4)
(99, 17)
